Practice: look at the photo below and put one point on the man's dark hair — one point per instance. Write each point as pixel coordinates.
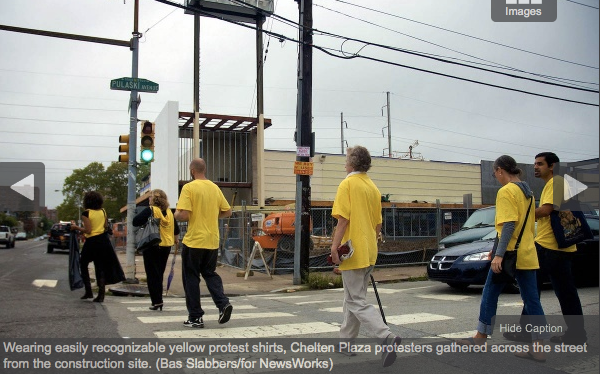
(550, 157)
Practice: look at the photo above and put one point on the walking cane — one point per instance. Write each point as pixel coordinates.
(374, 285)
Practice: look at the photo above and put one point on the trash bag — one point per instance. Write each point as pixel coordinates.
(75, 278)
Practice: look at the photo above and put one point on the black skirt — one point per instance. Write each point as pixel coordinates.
(99, 250)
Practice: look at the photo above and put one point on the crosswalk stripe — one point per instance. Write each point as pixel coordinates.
(405, 319)
(51, 283)
(266, 331)
(445, 297)
(280, 297)
(339, 309)
(456, 335)
(166, 301)
(180, 308)
(514, 304)
(172, 319)
(314, 302)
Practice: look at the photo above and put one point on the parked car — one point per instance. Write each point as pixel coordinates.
(479, 224)
(7, 237)
(468, 264)
(21, 236)
(58, 237)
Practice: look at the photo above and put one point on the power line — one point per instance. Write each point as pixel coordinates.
(589, 6)
(467, 35)
(440, 58)
(325, 50)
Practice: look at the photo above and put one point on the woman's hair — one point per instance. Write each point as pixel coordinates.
(508, 164)
(358, 158)
(159, 199)
(93, 200)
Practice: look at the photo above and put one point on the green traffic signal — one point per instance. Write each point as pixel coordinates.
(147, 155)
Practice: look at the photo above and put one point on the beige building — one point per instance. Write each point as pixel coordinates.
(405, 181)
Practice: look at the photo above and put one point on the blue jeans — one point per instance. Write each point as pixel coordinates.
(527, 281)
(556, 266)
(196, 261)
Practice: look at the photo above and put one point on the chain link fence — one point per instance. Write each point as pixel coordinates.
(410, 236)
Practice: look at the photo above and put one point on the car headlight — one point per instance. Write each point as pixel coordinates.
(441, 246)
(482, 256)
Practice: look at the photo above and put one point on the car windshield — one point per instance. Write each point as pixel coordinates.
(3, 229)
(60, 227)
(480, 218)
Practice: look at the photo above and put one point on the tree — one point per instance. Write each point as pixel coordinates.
(112, 183)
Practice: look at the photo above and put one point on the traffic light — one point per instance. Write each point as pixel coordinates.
(148, 131)
(123, 148)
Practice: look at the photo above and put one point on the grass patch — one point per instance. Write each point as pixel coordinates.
(423, 277)
(322, 281)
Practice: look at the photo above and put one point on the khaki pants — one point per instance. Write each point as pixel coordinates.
(356, 310)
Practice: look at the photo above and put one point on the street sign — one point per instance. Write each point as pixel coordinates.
(304, 168)
(303, 151)
(129, 84)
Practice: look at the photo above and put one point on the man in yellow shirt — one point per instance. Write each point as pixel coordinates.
(201, 204)
(555, 262)
(357, 208)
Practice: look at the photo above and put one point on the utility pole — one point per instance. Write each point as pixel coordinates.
(342, 136)
(304, 139)
(132, 158)
(389, 125)
(260, 116)
(196, 134)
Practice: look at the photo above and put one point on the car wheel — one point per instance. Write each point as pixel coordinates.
(458, 286)
(8, 245)
(49, 249)
(13, 245)
(287, 244)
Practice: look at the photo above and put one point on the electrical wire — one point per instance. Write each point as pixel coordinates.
(325, 50)
(467, 35)
(492, 63)
(589, 6)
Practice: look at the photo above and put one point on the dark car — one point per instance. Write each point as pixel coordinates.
(480, 223)
(468, 264)
(58, 237)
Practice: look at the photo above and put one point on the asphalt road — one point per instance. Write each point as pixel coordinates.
(37, 303)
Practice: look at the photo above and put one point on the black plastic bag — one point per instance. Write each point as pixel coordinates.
(75, 278)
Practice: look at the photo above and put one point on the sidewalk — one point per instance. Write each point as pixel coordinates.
(259, 283)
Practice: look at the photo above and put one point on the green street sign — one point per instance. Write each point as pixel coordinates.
(129, 84)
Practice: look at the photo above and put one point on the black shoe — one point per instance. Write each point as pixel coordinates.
(523, 337)
(87, 296)
(156, 306)
(195, 323)
(98, 299)
(565, 339)
(389, 354)
(225, 314)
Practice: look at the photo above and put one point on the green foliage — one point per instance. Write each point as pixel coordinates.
(321, 281)
(7, 220)
(112, 183)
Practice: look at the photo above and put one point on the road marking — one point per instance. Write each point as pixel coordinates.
(315, 302)
(405, 319)
(268, 331)
(145, 300)
(180, 308)
(514, 304)
(455, 335)
(280, 297)
(445, 297)
(172, 319)
(339, 309)
(45, 283)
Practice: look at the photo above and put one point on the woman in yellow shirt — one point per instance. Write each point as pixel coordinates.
(156, 257)
(514, 202)
(97, 248)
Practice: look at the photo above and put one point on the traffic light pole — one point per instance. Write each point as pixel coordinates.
(132, 158)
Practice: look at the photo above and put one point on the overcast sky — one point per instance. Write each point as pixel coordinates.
(56, 105)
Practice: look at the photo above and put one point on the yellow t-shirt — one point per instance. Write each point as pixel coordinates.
(512, 206)
(545, 235)
(204, 200)
(167, 226)
(97, 221)
(359, 201)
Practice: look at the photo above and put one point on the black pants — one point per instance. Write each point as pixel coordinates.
(196, 262)
(154, 260)
(556, 266)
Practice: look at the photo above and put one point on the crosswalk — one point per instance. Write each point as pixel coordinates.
(279, 315)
